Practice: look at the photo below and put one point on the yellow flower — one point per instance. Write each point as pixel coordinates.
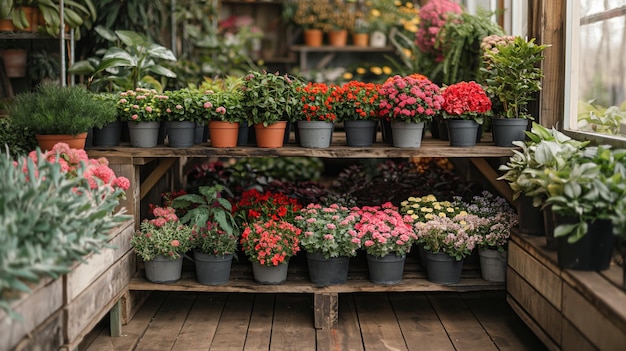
(431, 197)
(437, 207)
(463, 223)
(409, 4)
(415, 206)
(375, 13)
(450, 209)
(429, 216)
(463, 213)
(414, 216)
(347, 75)
(376, 70)
(404, 203)
(387, 70)
(442, 215)
(361, 70)
(409, 212)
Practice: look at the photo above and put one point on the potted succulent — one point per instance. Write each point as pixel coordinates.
(55, 113)
(464, 106)
(215, 232)
(386, 236)
(269, 245)
(141, 109)
(512, 75)
(329, 238)
(161, 242)
(270, 101)
(408, 102)
(316, 115)
(356, 105)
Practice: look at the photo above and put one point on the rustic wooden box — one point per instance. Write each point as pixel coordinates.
(568, 310)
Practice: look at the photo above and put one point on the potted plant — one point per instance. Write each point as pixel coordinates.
(311, 16)
(257, 206)
(161, 242)
(182, 109)
(340, 19)
(512, 75)
(494, 233)
(55, 113)
(270, 245)
(356, 105)
(270, 101)
(215, 232)
(447, 241)
(316, 115)
(584, 200)
(386, 236)
(225, 112)
(329, 238)
(408, 102)
(464, 106)
(141, 109)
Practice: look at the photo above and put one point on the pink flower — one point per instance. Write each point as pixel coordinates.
(175, 243)
(134, 117)
(221, 110)
(148, 109)
(179, 107)
(208, 104)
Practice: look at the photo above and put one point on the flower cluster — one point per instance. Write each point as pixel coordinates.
(383, 230)
(356, 100)
(163, 235)
(466, 100)
(385, 14)
(183, 105)
(329, 230)
(270, 242)
(500, 216)
(489, 45)
(433, 17)
(409, 99)
(316, 102)
(256, 206)
(223, 105)
(210, 239)
(140, 105)
(96, 171)
(454, 236)
(426, 208)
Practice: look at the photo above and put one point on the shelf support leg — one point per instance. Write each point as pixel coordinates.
(326, 310)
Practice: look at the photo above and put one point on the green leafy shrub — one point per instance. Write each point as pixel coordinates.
(19, 141)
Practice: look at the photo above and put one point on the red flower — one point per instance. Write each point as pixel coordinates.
(316, 102)
(465, 100)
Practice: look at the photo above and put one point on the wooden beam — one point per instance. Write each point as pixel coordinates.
(157, 173)
(492, 177)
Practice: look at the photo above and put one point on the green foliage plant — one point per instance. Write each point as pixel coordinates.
(183, 105)
(49, 220)
(512, 75)
(53, 109)
(15, 141)
(270, 97)
(598, 119)
(127, 64)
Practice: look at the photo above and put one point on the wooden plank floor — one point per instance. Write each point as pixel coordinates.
(367, 322)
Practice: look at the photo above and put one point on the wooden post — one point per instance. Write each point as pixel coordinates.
(116, 319)
(326, 310)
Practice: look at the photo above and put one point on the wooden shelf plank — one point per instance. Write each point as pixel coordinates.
(347, 48)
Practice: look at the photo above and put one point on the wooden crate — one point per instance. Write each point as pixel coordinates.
(94, 286)
(567, 309)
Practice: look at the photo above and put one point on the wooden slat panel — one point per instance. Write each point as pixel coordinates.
(464, 330)
(420, 324)
(201, 323)
(535, 305)
(167, 323)
(47, 336)
(293, 323)
(45, 299)
(574, 340)
(260, 328)
(231, 332)
(347, 335)
(379, 327)
(602, 332)
(94, 302)
(325, 309)
(536, 247)
(506, 330)
(532, 324)
(546, 282)
(85, 273)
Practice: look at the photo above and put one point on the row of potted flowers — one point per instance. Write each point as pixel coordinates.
(276, 227)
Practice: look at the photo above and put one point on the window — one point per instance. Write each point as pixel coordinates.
(595, 84)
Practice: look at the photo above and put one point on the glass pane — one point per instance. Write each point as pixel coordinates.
(602, 69)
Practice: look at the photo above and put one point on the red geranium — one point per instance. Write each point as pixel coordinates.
(356, 101)
(316, 102)
(465, 100)
(270, 243)
(409, 99)
(256, 206)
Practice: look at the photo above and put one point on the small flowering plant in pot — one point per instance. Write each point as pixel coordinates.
(466, 101)
(456, 236)
(316, 115)
(500, 216)
(140, 105)
(262, 206)
(164, 235)
(329, 230)
(183, 105)
(409, 99)
(357, 100)
(384, 231)
(224, 112)
(270, 243)
(425, 208)
(269, 97)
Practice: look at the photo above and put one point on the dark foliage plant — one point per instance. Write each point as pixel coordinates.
(19, 141)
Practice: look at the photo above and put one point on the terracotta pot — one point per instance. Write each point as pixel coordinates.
(360, 39)
(271, 136)
(6, 24)
(14, 62)
(338, 38)
(47, 142)
(313, 37)
(223, 134)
